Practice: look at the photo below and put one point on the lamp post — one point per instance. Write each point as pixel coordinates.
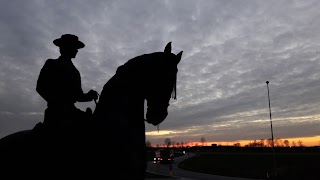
(274, 155)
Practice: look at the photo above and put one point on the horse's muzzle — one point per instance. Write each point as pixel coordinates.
(155, 118)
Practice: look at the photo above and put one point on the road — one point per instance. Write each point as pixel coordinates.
(179, 173)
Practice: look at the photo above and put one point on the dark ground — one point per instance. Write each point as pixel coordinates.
(289, 166)
(151, 175)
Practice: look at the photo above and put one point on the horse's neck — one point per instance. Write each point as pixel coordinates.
(120, 93)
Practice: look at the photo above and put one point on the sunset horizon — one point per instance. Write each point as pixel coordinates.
(306, 141)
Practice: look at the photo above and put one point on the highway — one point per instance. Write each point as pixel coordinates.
(178, 173)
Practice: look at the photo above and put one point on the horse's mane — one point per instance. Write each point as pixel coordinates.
(153, 63)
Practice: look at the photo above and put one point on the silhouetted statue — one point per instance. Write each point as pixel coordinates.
(114, 145)
(59, 83)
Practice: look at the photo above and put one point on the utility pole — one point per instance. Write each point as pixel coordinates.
(274, 154)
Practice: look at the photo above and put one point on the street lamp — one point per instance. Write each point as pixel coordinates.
(274, 156)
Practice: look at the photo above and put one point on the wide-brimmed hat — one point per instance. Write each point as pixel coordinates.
(69, 40)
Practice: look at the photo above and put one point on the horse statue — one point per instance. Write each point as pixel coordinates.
(113, 141)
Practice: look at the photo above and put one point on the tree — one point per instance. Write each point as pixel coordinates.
(237, 144)
(167, 142)
(255, 143)
(286, 143)
(269, 142)
(276, 142)
(173, 143)
(202, 140)
(293, 144)
(148, 143)
(187, 143)
(279, 142)
(300, 143)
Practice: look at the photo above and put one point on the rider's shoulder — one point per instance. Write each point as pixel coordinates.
(50, 61)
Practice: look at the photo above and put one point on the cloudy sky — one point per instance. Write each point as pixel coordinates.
(231, 48)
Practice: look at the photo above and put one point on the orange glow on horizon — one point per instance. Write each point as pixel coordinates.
(306, 141)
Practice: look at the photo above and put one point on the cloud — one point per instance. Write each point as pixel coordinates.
(231, 48)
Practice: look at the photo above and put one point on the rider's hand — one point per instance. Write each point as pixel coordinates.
(93, 94)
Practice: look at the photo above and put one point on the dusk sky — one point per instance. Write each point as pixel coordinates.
(230, 49)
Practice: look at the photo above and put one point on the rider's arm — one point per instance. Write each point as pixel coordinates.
(91, 95)
(85, 97)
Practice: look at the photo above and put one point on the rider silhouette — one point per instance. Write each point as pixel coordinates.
(59, 83)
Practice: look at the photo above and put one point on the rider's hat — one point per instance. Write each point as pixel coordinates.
(69, 40)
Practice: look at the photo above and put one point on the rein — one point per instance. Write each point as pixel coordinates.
(96, 100)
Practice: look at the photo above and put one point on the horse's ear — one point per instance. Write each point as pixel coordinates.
(167, 49)
(179, 55)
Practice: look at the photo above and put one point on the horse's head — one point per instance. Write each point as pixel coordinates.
(161, 85)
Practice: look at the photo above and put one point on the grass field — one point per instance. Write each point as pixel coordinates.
(293, 166)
